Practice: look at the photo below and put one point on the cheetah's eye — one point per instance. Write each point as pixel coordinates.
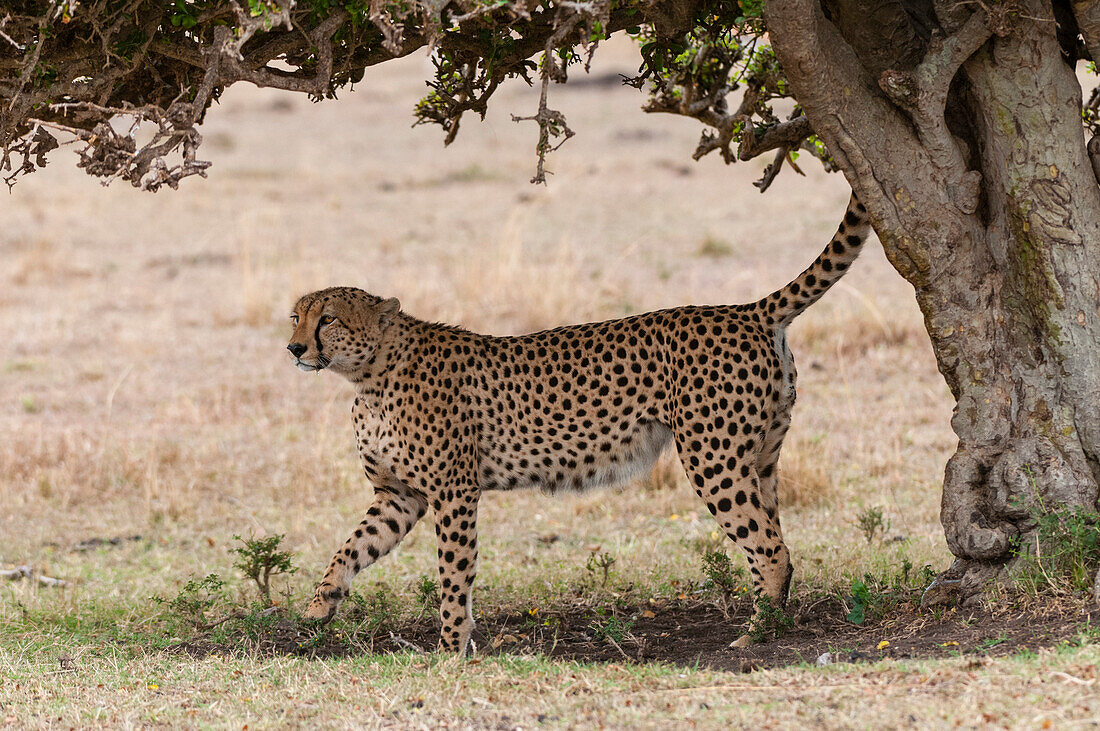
(293, 319)
(327, 320)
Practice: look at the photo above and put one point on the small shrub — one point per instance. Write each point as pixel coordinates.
(906, 569)
(259, 622)
(427, 594)
(610, 627)
(770, 621)
(601, 562)
(715, 248)
(370, 612)
(722, 574)
(859, 602)
(196, 598)
(924, 578)
(260, 558)
(872, 523)
(873, 597)
(1066, 550)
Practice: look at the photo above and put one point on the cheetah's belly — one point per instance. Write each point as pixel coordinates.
(381, 452)
(557, 465)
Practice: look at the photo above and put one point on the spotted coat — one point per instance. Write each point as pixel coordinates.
(443, 414)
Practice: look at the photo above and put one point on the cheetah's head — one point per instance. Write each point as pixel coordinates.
(340, 329)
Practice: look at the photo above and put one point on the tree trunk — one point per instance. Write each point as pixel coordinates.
(972, 163)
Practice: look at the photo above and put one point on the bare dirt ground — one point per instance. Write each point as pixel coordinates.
(145, 391)
(694, 635)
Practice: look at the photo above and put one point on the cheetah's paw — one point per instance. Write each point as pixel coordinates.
(320, 610)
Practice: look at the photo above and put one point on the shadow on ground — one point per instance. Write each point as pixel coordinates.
(696, 636)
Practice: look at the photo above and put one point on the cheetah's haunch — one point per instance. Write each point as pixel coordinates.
(442, 414)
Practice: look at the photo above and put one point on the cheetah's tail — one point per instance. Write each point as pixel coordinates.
(782, 306)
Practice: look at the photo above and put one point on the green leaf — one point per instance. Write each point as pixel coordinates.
(860, 598)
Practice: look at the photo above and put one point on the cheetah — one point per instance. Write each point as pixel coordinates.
(443, 414)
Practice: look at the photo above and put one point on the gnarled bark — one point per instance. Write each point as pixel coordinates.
(995, 221)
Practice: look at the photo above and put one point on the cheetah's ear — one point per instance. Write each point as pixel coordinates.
(386, 311)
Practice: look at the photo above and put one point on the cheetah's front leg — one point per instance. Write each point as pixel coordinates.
(456, 530)
(391, 516)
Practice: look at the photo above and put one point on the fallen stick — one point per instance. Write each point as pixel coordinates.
(28, 572)
(1066, 677)
(620, 649)
(211, 625)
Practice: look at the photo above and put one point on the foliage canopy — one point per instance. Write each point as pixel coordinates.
(75, 65)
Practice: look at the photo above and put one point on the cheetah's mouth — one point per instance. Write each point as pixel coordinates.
(307, 367)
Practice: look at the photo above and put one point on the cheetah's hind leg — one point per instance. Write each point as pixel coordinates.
(732, 491)
(456, 531)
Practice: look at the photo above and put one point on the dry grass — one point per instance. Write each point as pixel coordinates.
(805, 479)
(1049, 689)
(868, 325)
(145, 390)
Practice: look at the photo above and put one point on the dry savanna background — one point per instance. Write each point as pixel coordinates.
(149, 413)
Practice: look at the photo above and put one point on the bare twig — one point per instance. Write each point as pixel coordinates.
(111, 155)
(402, 642)
(773, 169)
(551, 124)
(550, 121)
(6, 37)
(211, 625)
(1067, 678)
(617, 647)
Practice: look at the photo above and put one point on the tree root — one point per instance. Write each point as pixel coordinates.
(963, 584)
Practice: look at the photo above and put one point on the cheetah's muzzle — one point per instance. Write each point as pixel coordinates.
(443, 414)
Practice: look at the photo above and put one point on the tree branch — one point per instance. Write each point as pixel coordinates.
(550, 121)
(200, 54)
(787, 134)
(1087, 13)
(923, 92)
(872, 140)
(710, 110)
(818, 61)
(232, 67)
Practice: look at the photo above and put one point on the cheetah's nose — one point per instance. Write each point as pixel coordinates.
(296, 349)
